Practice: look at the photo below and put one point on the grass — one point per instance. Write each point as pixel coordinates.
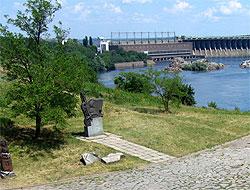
(136, 117)
(54, 156)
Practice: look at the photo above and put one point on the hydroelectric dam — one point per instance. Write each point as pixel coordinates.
(166, 45)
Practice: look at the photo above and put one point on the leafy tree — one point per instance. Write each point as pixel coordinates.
(166, 86)
(85, 41)
(133, 82)
(90, 41)
(187, 95)
(45, 82)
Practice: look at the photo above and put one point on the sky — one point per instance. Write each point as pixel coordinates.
(98, 18)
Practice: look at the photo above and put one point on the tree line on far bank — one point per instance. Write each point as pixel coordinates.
(99, 62)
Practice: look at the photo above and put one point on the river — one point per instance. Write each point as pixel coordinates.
(229, 87)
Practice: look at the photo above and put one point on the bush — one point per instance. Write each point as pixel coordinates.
(168, 86)
(212, 105)
(133, 82)
(196, 67)
(187, 95)
(237, 109)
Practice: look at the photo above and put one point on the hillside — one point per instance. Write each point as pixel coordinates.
(136, 117)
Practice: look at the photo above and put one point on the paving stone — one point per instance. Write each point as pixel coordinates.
(217, 168)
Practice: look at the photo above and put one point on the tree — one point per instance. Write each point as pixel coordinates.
(165, 85)
(90, 41)
(45, 82)
(133, 82)
(85, 41)
(187, 95)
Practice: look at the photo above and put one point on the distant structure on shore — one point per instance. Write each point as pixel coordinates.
(230, 46)
(166, 45)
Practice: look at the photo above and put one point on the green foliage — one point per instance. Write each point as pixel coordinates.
(196, 67)
(85, 41)
(90, 41)
(120, 97)
(45, 81)
(212, 105)
(118, 56)
(166, 86)
(187, 95)
(133, 82)
(237, 109)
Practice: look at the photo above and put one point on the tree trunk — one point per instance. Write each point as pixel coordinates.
(166, 102)
(38, 126)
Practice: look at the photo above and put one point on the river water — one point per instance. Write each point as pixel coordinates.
(228, 87)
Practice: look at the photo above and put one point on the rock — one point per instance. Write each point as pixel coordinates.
(89, 158)
(245, 64)
(178, 64)
(173, 69)
(113, 157)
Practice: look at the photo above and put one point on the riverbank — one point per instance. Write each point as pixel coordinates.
(135, 64)
(135, 117)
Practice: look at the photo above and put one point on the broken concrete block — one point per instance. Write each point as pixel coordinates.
(89, 158)
(113, 157)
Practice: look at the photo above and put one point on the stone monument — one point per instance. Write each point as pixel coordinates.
(92, 109)
(5, 160)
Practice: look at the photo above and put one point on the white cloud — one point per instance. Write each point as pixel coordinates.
(62, 2)
(223, 8)
(78, 7)
(17, 5)
(230, 7)
(179, 6)
(84, 14)
(141, 18)
(117, 10)
(209, 13)
(136, 1)
(112, 7)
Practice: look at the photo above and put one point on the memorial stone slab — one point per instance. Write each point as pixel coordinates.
(89, 158)
(113, 157)
(92, 109)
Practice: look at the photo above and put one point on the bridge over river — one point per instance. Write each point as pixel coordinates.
(167, 47)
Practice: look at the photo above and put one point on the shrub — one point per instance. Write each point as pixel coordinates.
(187, 95)
(133, 82)
(237, 109)
(196, 66)
(212, 105)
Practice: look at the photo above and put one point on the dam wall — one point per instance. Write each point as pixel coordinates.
(236, 46)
